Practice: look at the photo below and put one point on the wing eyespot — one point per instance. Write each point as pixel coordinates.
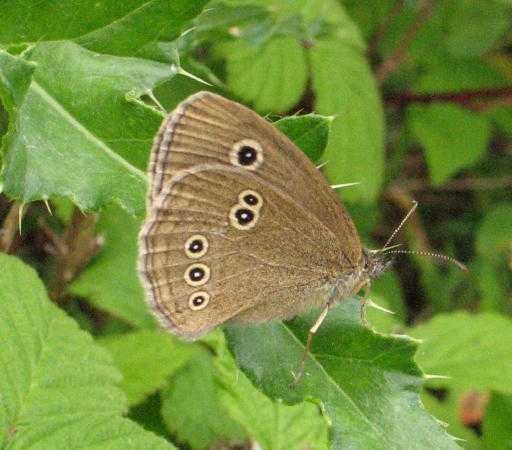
(251, 199)
(198, 300)
(196, 246)
(246, 153)
(243, 218)
(197, 274)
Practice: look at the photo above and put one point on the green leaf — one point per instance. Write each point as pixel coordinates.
(497, 429)
(119, 28)
(454, 75)
(127, 35)
(77, 135)
(493, 243)
(57, 389)
(344, 87)
(274, 425)
(367, 383)
(453, 137)
(191, 407)
(15, 77)
(272, 77)
(309, 132)
(494, 234)
(110, 281)
(473, 350)
(146, 359)
(209, 400)
(457, 29)
(474, 27)
(503, 119)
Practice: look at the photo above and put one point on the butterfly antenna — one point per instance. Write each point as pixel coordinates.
(439, 256)
(400, 226)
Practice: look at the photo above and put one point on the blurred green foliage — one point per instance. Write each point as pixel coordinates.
(413, 99)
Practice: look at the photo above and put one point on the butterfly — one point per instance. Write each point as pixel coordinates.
(241, 226)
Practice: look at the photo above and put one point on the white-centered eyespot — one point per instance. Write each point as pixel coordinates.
(251, 199)
(246, 153)
(198, 300)
(196, 246)
(243, 218)
(197, 274)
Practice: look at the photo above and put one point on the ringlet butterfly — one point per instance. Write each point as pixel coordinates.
(241, 226)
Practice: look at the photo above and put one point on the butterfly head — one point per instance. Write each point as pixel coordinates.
(374, 263)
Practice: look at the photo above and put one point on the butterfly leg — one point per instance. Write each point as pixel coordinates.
(363, 302)
(312, 331)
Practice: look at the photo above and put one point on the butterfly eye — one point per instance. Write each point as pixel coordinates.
(243, 218)
(198, 300)
(196, 246)
(197, 274)
(247, 153)
(251, 199)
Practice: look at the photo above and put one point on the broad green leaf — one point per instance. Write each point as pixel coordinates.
(210, 398)
(472, 350)
(344, 87)
(272, 77)
(367, 383)
(127, 35)
(497, 429)
(492, 282)
(146, 359)
(493, 244)
(454, 75)
(453, 137)
(309, 132)
(494, 235)
(273, 424)
(503, 119)
(474, 27)
(110, 281)
(78, 135)
(455, 28)
(15, 77)
(216, 21)
(113, 27)
(58, 389)
(192, 410)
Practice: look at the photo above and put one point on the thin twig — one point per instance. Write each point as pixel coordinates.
(477, 99)
(464, 184)
(391, 63)
(72, 251)
(9, 230)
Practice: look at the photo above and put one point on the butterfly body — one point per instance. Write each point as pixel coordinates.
(241, 226)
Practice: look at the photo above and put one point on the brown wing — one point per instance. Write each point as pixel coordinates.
(291, 248)
(204, 128)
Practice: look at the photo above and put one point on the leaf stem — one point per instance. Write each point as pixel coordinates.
(10, 226)
(476, 99)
